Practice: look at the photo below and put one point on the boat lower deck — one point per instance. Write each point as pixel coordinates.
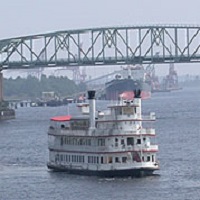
(133, 172)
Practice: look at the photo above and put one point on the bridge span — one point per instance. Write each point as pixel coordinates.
(103, 46)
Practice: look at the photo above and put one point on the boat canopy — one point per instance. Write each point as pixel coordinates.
(61, 118)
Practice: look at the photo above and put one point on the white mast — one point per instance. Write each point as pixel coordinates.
(137, 94)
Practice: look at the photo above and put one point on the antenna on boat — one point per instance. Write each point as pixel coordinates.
(68, 109)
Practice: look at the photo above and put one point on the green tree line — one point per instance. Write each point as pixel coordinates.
(32, 87)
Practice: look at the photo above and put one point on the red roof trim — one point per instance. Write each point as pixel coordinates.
(61, 118)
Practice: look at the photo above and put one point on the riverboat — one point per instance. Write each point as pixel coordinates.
(108, 143)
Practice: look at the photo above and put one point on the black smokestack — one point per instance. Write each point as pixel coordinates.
(137, 93)
(91, 94)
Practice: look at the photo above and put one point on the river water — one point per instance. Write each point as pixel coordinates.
(23, 156)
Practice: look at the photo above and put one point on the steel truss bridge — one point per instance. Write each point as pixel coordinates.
(103, 46)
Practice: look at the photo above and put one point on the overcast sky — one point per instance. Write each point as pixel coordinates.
(27, 17)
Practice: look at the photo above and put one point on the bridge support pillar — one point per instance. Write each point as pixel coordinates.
(1, 87)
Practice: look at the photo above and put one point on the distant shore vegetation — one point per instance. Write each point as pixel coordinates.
(32, 87)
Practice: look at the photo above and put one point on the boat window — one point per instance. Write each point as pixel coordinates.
(57, 158)
(110, 159)
(61, 157)
(74, 141)
(138, 141)
(62, 126)
(61, 141)
(130, 141)
(84, 141)
(152, 158)
(80, 124)
(143, 158)
(148, 158)
(124, 159)
(51, 127)
(89, 159)
(101, 142)
(128, 111)
(65, 139)
(117, 159)
(122, 141)
(102, 160)
(116, 142)
(118, 111)
(88, 142)
(77, 159)
(93, 159)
